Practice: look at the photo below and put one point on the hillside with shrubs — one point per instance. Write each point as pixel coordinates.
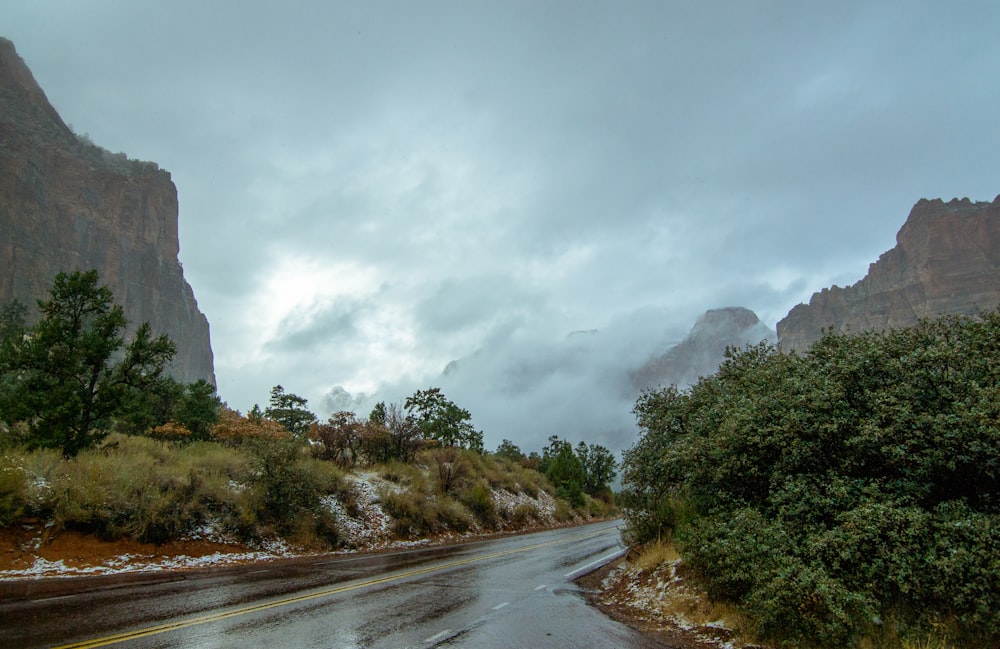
(845, 497)
(97, 439)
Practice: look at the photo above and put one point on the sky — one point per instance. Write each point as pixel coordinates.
(538, 196)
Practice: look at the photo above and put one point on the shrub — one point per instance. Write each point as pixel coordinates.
(861, 479)
(171, 431)
(289, 483)
(563, 512)
(415, 516)
(409, 517)
(524, 515)
(142, 488)
(452, 467)
(14, 435)
(800, 602)
(453, 516)
(13, 491)
(403, 474)
(479, 500)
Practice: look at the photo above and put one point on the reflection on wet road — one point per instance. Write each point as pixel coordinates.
(509, 592)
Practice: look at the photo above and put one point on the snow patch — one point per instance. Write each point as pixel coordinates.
(363, 523)
(661, 598)
(133, 563)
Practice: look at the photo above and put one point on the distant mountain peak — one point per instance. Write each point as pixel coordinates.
(946, 261)
(701, 353)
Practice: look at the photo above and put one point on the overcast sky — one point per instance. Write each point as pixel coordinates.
(371, 190)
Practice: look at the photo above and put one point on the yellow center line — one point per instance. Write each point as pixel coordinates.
(254, 608)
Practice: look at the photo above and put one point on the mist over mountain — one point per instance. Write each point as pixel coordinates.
(581, 386)
(525, 387)
(701, 353)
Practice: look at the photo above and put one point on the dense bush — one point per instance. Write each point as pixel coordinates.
(831, 491)
(155, 491)
(291, 485)
(449, 490)
(417, 516)
(13, 491)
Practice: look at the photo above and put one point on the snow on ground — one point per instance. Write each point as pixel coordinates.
(661, 598)
(130, 563)
(542, 507)
(366, 525)
(132, 556)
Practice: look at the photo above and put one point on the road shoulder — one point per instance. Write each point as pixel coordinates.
(640, 599)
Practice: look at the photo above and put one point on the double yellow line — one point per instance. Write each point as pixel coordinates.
(254, 608)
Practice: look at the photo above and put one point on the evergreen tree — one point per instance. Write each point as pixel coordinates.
(290, 411)
(61, 376)
(441, 420)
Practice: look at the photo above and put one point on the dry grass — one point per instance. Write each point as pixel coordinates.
(668, 594)
(890, 635)
(655, 554)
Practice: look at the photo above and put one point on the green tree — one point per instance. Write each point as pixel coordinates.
(511, 451)
(290, 411)
(256, 415)
(441, 420)
(599, 467)
(62, 377)
(198, 408)
(564, 470)
(148, 409)
(12, 330)
(378, 413)
(12, 339)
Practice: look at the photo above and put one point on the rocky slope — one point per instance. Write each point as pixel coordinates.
(66, 204)
(946, 261)
(704, 348)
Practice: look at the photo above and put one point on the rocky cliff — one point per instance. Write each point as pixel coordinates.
(701, 353)
(66, 204)
(946, 261)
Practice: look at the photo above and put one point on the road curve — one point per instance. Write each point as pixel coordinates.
(508, 592)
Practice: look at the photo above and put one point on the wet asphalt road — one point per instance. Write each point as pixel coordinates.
(508, 592)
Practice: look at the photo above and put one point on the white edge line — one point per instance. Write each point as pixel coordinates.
(438, 636)
(500, 606)
(611, 557)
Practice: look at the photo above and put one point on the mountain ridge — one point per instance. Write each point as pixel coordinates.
(946, 261)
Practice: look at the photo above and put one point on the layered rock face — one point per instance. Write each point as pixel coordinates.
(701, 353)
(946, 261)
(68, 205)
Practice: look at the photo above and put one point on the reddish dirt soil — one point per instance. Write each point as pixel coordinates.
(18, 548)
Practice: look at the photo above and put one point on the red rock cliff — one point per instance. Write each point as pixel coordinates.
(66, 205)
(946, 261)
